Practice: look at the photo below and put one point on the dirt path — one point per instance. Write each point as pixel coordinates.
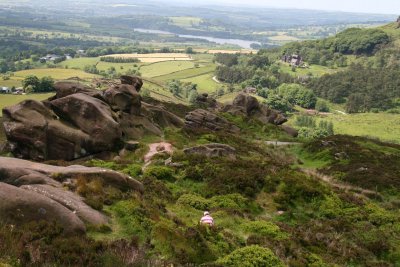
(341, 112)
(157, 148)
(342, 186)
(215, 79)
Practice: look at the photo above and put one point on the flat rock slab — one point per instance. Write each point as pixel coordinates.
(71, 201)
(22, 172)
(212, 150)
(32, 191)
(18, 206)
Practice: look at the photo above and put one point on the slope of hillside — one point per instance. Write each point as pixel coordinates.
(330, 202)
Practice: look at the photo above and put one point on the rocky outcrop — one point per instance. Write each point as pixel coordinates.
(79, 121)
(32, 191)
(201, 119)
(247, 105)
(289, 130)
(212, 150)
(207, 102)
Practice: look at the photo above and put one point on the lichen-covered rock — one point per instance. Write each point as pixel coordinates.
(290, 130)
(247, 105)
(22, 172)
(201, 119)
(71, 201)
(19, 206)
(212, 150)
(32, 191)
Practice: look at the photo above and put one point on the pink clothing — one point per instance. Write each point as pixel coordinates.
(207, 220)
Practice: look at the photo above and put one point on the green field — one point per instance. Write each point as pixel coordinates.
(376, 125)
(186, 74)
(57, 74)
(186, 21)
(205, 83)
(162, 68)
(9, 100)
(79, 63)
(315, 70)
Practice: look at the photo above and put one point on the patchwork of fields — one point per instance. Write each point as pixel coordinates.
(154, 57)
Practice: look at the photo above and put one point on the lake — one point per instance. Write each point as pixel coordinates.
(242, 43)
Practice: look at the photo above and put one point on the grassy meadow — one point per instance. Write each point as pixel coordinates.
(383, 126)
(163, 68)
(205, 83)
(9, 100)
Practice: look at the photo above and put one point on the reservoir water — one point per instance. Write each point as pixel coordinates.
(242, 43)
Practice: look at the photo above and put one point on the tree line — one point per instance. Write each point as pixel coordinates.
(362, 88)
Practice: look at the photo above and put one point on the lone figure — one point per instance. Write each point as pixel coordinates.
(207, 219)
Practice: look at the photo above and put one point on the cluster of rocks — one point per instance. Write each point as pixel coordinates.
(212, 151)
(80, 120)
(32, 192)
(205, 120)
(208, 119)
(248, 106)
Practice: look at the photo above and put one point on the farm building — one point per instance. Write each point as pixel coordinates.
(294, 60)
(5, 90)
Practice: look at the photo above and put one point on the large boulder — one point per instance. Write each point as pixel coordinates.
(206, 102)
(124, 98)
(19, 206)
(247, 105)
(289, 130)
(32, 191)
(22, 172)
(212, 150)
(71, 201)
(203, 120)
(66, 88)
(132, 80)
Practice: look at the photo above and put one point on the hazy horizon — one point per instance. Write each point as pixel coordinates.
(356, 6)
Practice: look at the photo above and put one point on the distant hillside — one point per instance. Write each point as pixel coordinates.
(369, 59)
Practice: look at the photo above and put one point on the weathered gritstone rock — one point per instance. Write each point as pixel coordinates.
(247, 105)
(33, 191)
(19, 206)
(22, 172)
(80, 121)
(201, 119)
(207, 102)
(71, 201)
(289, 130)
(212, 150)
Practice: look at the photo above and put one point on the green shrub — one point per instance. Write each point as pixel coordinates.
(194, 201)
(160, 172)
(133, 219)
(231, 201)
(296, 187)
(133, 170)
(103, 164)
(251, 256)
(266, 229)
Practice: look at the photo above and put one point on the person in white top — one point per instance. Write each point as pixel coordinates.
(207, 219)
